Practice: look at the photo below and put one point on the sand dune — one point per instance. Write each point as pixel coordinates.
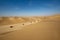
(47, 29)
(14, 20)
(39, 31)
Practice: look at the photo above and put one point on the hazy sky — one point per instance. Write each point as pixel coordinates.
(29, 7)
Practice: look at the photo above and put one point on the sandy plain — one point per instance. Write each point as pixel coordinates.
(47, 28)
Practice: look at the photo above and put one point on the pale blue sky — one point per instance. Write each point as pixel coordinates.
(29, 7)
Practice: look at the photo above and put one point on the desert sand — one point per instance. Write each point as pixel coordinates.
(47, 29)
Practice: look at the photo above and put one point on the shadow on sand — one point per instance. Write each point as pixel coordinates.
(6, 33)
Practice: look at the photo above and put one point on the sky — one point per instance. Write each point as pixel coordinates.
(29, 7)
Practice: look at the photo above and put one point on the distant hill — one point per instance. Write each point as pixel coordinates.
(10, 20)
(14, 20)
